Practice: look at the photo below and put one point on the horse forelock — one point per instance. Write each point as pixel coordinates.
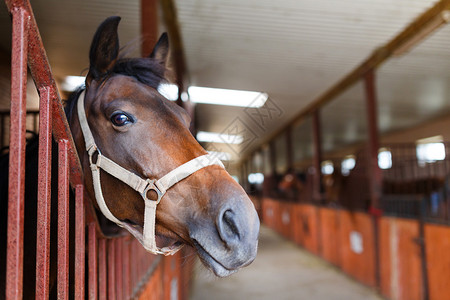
(146, 70)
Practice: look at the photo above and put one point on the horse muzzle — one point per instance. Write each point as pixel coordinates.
(231, 242)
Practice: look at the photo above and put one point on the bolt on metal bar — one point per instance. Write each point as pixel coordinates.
(14, 264)
(44, 196)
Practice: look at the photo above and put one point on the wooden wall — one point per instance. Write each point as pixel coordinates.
(347, 240)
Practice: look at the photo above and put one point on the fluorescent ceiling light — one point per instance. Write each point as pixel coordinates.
(225, 156)
(169, 91)
(226, 97)
(214, 137)
(71, 83)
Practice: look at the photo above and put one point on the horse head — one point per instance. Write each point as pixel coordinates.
(146, 134)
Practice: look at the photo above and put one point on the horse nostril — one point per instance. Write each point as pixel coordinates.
(227, 227)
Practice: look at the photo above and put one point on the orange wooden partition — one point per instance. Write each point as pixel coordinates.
(437, 241)
(284, 219)
(347, 240)
(400, 261)
(306, 230)
(171, 277)
(154, 288)
(270, 212)
(296, 225)
(329, 235)
(359, 263)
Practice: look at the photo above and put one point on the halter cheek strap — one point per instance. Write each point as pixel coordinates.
(142, 186)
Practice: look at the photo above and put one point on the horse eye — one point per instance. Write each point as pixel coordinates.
(120, 119)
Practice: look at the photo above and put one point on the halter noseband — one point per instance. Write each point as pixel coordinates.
(142, 186)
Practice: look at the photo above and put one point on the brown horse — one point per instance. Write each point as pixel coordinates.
(146, 134)
(140, 130)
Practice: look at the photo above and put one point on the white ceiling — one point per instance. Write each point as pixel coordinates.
(292, 50)
(295, 50)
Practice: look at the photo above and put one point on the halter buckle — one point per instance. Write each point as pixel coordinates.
(151, 186)
(91, 151)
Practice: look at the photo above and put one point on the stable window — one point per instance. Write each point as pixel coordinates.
(347, 164)
(430, 150)
(327, 167)
(384, 159)
(256, 178)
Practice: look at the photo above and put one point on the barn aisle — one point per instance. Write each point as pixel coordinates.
(281, 271)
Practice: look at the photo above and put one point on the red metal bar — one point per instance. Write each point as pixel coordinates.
(317, 157)
(111, 270)
(41, 71)
(119, 271)
(44, 196)
(102, 275)
(14, 264)
(126, 267)
(375, 174)
(374, 144)
(133, 262)
(63, 220)
(2, 130)
(273, 158)
(149, 25)
(289, 148)
(92, 260)
(80, 241)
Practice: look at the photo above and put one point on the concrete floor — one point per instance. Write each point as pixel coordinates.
(281, 271)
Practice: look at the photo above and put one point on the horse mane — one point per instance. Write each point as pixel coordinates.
(146, 70)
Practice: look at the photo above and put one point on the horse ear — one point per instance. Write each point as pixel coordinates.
(104, 49)
(161, 50)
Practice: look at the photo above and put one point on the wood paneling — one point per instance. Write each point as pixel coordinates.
(400, 264)
(329, 235)
(359, 265)
(437, 241)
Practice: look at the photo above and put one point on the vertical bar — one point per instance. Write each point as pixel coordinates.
(149, 25)
(111, 271)
(317, 157)
(80, 242)
(14, 264)
(35, 122)
(44, 197)
(423, 256)
(126, 267)
(102, 275)
(273, 157)
(272, 184)
(375, 173)
(63, 219)
(2, 130)
(119, 272)
(372, 124)
(92, 260)
(134, 263)
(289, 149)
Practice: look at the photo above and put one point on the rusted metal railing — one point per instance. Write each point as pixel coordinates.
(117, 268)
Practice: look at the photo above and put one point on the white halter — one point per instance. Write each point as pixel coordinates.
(142, 186)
